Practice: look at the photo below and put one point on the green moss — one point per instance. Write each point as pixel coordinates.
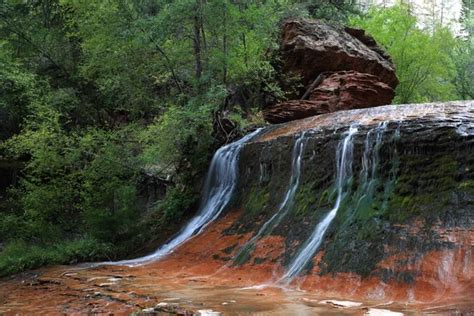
(259, 260)
(327, 196)
(423, 187)
(256, 200)
(466, 186)
(229, 249)
(305, 199)
(244, 255)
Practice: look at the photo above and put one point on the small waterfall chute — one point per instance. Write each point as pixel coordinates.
(219, 186)
(368, 179)
(344, 171)
(286, 203)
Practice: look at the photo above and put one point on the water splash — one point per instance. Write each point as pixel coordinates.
(344, 171)
(285, 205)
(220, 184)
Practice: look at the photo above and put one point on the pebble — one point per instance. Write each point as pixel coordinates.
(382, 312)
(171, 299)
(208, 312)
(341, 304)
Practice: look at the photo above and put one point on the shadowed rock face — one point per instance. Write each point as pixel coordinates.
(342, 69)
(369, 41)
(344, 90)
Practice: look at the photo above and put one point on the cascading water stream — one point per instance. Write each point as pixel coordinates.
(344, 171)
(220, 184)
(285, 205)
(370, 160)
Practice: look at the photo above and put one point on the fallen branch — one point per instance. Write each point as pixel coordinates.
(315, 83)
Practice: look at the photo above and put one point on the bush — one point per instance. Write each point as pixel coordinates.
(19, 255)
(82, 186)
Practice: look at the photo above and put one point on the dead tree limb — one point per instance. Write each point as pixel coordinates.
(313, 85)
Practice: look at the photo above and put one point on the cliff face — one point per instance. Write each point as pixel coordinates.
(407, 206)
(374, 205)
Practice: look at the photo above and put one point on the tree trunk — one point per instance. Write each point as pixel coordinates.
(197, 42)
(243, 37)
(224, 43)
(203, 33)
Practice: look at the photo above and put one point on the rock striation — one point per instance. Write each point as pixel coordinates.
(343, 90)
(341, 69)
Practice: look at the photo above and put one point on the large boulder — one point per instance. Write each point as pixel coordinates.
(310, 47)
(342, 90)
(341, 69)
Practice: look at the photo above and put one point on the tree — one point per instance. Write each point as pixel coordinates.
(96, 95)
(463, 54)
(423, 59)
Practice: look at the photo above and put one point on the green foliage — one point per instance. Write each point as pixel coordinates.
(75, 181)
(176, 203)
(18, 92)
(257, 199)
(463, 53)
(463, 56)
(18, 256)
(95, 94)
(422, 57)
(183, 131)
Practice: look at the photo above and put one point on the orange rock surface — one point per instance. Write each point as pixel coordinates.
(197, 275)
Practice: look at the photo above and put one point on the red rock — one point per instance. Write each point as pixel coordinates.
(368, 40)
(294, 110)
(310, 47)
(344, 90)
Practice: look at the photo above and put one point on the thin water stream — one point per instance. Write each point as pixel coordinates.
(285, 205)
(344, 171)
(220, 183)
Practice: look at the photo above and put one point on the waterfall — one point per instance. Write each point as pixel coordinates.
(370, 160)
(219, 185)
(285, 205)
(344, 171)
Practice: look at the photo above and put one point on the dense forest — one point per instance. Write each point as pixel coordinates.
(98, 99)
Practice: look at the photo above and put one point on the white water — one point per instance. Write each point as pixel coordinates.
(285, 205)
(370, 161)
(344, 171)
(220, 184)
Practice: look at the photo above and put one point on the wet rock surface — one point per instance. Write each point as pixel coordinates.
(341, 69)
(404, 233)
(421, 184)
